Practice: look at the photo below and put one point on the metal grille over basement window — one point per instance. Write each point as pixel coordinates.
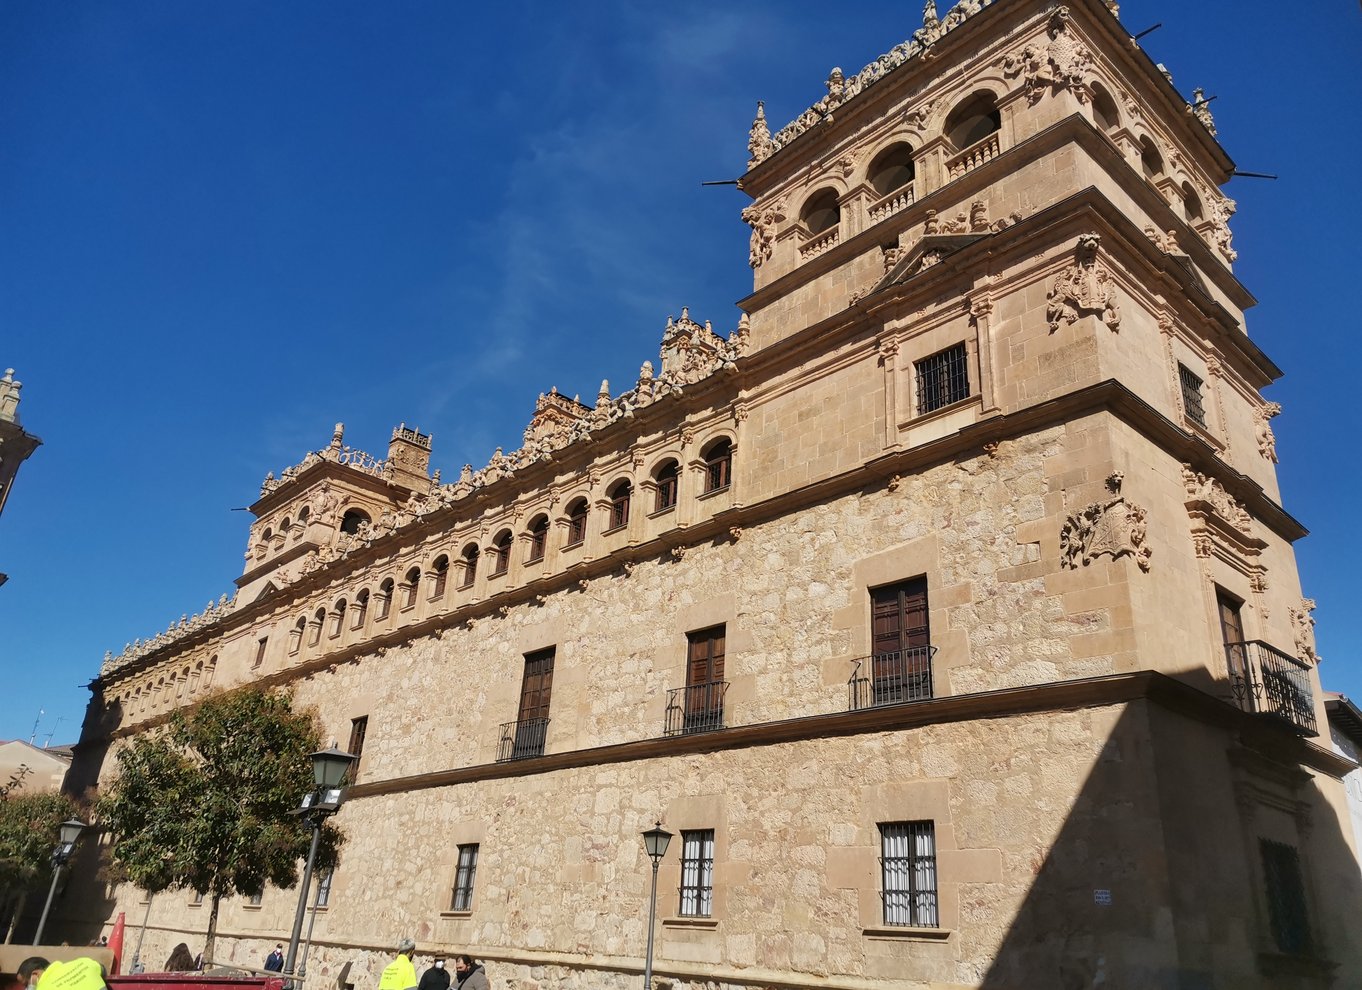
(942, 378)
(1285, 897)
(697, 873)
(908, 862)
(1191, 395)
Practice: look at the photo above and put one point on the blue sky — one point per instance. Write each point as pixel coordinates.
(227, 226)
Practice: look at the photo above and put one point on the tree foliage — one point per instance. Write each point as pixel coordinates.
(206, 804)
(28, 832)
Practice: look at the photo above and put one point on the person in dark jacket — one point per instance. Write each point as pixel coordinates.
(435, 978)
(274, 962)
(471, 975)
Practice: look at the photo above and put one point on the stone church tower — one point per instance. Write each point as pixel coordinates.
(944, 609)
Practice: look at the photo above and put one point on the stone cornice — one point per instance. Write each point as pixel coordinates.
(1280, 745)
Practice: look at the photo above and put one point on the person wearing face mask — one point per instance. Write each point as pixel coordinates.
(471, 975)
(435, 978)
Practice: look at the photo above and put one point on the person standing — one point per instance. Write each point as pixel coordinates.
(400, 974)
(274, 962)
(435, 978)
(471, 974)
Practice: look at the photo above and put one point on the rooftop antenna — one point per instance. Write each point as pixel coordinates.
(34, 734)
(48, 741)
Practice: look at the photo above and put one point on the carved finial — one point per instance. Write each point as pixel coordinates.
(929, 18)
(603, 396)
(685, 314)
(759, 144)
(1201, 111)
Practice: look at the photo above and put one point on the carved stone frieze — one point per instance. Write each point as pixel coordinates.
(1303, 629)
(1221, 209)
(1084, 288)
(1114, 528)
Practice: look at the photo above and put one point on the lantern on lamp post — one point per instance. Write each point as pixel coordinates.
(67, 834)
(329, 767)
(655, 842)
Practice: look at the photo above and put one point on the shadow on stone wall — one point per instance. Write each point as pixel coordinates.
(1154, 878)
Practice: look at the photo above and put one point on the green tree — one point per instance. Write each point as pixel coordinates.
(206, 803)
(28, 831)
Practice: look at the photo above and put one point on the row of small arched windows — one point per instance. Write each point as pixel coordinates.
(892, 169)
(309, 630)
(175, 687)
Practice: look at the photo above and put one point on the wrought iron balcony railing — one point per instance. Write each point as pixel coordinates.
(891, 678)
(1272, 683)
(696, 708)
(523, 739)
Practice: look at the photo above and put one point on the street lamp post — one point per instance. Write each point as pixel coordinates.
(655, 842)
(67, 834)
(328, 769)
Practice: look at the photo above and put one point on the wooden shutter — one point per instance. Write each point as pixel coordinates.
(537, 687)
(1232, 635)
(706, 661)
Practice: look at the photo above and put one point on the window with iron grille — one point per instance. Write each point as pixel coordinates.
(539, 539)
(718, 465)
(908, 869)
(1285, 897)
(697, 873)
(324, 889)
(942, 378)
(619, 504)
(577, 523)
(1191, 395)
(667, 477)
(462, 899)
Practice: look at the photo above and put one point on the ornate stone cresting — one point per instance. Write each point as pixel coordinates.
(1201, 110)
(1303, 629)
(173, 633)
(763, 218)
(1262, 424)
(841, 87)
(1085, 288)
(337, 453)
(759, 144)
(1064, 63)
(1207, 490)
(1116, 528)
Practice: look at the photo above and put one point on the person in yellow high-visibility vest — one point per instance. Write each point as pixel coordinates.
(400, 974)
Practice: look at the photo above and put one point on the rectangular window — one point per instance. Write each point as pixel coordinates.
(908, 871)
(324, 888)
(705, 685)
(196, 899)
(462, 899)
(901, 651)
(532, 718)
(359, 728)
(255, 899)
(1285, 897)
(1232, 637)
(697, 873)
(260, 650)
(942, 379)
(1191, 395)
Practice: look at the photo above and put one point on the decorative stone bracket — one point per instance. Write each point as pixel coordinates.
(1116, 528)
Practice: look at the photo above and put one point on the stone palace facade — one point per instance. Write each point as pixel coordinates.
(944, 608)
